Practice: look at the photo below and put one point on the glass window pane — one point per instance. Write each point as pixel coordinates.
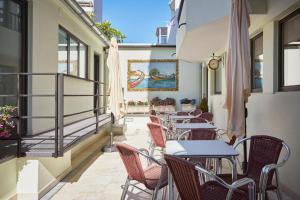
(257, 62)
(62, 52)
(10, 50)
(83, 59)
(73, 57)
(218, 79)
(292, 64)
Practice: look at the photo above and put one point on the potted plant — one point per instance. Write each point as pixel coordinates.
(204, 105)
(7, 124)
(188, 104)
(160, 105)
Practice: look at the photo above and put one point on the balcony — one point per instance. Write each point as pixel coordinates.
(203, 27)
(60, 110)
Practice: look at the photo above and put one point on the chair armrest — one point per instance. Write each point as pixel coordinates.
(231, 187)
(186, 121)
(145, 153)
(263, 180)
(183, 134)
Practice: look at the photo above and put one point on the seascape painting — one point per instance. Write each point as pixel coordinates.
(153, 75)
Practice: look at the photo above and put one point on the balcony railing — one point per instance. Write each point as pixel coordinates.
(55, 141)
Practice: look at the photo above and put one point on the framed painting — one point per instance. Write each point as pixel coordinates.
(152, 75)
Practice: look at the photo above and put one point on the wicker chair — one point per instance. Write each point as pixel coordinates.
(187, 180)
(152, 112)
(263, 163)
(158, 137)
(198, 120)
(208, 116)
(154, 176)
(154, 119)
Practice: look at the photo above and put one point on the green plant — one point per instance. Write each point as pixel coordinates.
(7, 125)
(109, 31)
(204, 105)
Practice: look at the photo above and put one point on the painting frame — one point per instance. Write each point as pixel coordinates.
(130, 62)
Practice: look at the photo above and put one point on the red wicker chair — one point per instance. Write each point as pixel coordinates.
(158, 137)
(154, 119)
(154, 176)
(187, 180)
(198, 120)
(208, 116)
(152, 112)
(197, 112)
(262, 163)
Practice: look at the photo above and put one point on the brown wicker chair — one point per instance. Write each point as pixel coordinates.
(198, 120)
(154, 176)
(262, 163)
(187, 180)
(208, 116)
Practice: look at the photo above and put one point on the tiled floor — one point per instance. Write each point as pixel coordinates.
(102, 175)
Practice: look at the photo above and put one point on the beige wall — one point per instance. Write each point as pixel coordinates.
(189, 75)
(270, 112)
(44, 20)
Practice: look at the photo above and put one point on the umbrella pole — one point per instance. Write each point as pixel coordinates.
(245, 163)
(111, 147)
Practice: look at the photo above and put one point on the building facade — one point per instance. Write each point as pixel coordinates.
(273, 106)
(52, 69)
(92, 7)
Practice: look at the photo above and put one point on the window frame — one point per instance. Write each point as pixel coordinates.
(69, 36)
(281, 86)
(252, 40)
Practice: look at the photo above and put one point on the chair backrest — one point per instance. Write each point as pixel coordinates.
(264, 150)
(157, 134)
(182, 113)
(131, 161)
(154, 119)
(152, 112)
(185, 177)
(198, 120)
(208, 116)
(202, 134)
(197, 112)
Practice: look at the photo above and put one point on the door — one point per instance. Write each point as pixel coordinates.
(96, 78)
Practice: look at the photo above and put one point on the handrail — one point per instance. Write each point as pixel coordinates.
(59, 115)
(180, 10)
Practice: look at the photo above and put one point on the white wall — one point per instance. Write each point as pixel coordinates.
(44, 20)
(270, 112)
(189, 75)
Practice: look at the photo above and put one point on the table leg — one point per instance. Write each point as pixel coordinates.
(234, 169)
(170, 185)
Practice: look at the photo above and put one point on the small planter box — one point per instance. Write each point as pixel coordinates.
(137, 109)
(162, 109)
(188, 107)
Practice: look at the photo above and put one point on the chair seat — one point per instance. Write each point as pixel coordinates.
(214, 191)
(153, 174)
(228, 179)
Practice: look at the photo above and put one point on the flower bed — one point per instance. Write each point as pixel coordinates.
(163, 105)
(188, 104)
(137, 107)
(7, 124)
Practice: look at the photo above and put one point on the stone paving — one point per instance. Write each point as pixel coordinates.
(101, 176)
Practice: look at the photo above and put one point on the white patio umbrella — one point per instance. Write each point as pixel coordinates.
(116, 100)
(238, 68)
(238, 72)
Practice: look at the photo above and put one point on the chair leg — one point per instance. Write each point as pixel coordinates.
(164, 195)
(278, 194)
(125, 189)
(154, 194)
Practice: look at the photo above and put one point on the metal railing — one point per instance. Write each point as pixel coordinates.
(59, 116)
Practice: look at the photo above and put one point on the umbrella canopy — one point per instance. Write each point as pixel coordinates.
(238, 68)
(116, 97)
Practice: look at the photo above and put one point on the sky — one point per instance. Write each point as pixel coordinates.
(137, 19)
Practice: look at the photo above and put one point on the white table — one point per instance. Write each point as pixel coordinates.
(182, 117)
(201, 148)
(194, 126)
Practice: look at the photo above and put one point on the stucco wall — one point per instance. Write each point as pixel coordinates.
(189, 75)
(270, 112)
(44, 20)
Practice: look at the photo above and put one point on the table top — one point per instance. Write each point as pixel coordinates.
(194, 125)
(200, 148)
(182, 116)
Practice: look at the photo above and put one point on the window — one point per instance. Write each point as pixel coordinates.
(290, 52)
(218, 77)
(72, 55)
(257, 57)
(163, 39)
